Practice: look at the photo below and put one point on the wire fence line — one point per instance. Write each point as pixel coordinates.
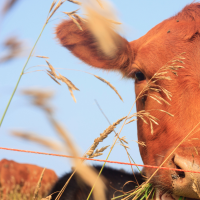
(98, 160)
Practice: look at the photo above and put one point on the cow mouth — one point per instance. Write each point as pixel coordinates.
(160, 195)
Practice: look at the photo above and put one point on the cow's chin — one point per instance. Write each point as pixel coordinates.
(160, 195)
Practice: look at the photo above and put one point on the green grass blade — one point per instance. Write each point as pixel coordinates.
(16, 86)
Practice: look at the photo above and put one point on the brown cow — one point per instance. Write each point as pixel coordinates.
(24, 178)
(141, 59)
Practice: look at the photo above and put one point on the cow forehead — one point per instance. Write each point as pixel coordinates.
(163, 43)
(158, 43)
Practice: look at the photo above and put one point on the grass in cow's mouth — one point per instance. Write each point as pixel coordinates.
(143, 192)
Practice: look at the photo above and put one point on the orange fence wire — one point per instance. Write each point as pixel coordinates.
(99, 160)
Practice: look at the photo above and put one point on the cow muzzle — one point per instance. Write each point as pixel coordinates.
(186, 184)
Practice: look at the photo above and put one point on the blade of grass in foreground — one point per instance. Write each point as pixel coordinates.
(16, 86)
(22, 72)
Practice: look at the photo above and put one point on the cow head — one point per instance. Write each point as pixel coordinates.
(140, 60)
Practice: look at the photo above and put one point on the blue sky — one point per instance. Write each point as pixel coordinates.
(82, 119)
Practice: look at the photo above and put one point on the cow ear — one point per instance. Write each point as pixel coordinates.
(187, 30)
(84, 46)
(187, 22)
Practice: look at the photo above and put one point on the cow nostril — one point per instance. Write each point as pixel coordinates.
(179, 173)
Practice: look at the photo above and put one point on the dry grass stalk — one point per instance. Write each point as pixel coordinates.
(14, 48)
(55, 77)
(125, 146)
(49, 197)
(98, 152)
(99, 23)
(99, 2)
(8, 5)
(186, 137)
(109, 84)
(123, 139)
(88, 175)
(135, 193)
(152, 190)
(53, 71)
(70, 85)
(16, 194)
(38, 185)
(85, 172)
(76, 2)
(114, 22)
(95, 155)
(141, 114)
(194, 138)
(74, 20)
(52, 144)
(103, 135)
(71, 13)
(40, 98)
(171, 115)
(152, 86)
(195, 185)
(67, 81)
(52, 5)
(158, 99)
(196, 150)
(55, 9)
(45, 57)
(141, 143)
(102, 149)
(79, 18)
(152, 120)
(35, 93)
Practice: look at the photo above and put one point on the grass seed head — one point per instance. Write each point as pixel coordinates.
(33, 137)
(45, 57)
(76, 2)
(8, 5)
(103, 136)
(52, 5)
(55, 9)
(109, 84)
(101, 149)
(38, 185)
(52, 77)
(14, 47)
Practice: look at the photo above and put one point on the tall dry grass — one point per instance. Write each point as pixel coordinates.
(96, 19)
(41, 99)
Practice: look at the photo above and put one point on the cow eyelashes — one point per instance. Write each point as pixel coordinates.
(139, 76)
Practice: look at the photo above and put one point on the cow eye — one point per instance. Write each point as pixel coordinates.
(139, 76)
